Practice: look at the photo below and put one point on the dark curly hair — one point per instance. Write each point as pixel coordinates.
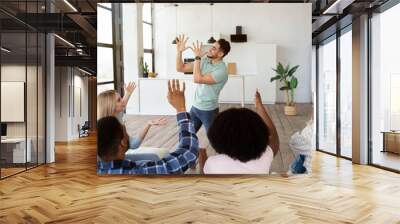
(224, 46)
(239, 133)
(110, 133)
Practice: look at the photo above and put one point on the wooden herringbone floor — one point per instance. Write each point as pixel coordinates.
(69, 191)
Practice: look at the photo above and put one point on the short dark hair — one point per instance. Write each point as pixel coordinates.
(224, 46)
(239, 133)
(110, 132)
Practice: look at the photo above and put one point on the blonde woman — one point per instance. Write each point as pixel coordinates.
(110, 103)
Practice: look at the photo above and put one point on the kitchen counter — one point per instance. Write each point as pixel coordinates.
(153, 91)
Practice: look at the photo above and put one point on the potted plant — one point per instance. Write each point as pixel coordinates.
(145, 68)
(289, 84)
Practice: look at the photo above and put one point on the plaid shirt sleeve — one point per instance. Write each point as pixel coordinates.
(182, 158)
(176, 162)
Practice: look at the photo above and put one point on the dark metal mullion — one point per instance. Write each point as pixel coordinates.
(121, 45)
(105, 45)
(385, 168)
(333, 154)
(45, 94)
(26, 87)
(69, 94)
(104, 83)
(151, 24)
(113, 47)
(152, 38)
(369, 90)
(37, 91)
(59, 78)
(317, 97)
(338, 95)
(73, 91)
(103, 7)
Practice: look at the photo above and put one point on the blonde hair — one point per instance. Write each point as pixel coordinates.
(106, 104)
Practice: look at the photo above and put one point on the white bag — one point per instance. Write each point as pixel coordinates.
(303, 143)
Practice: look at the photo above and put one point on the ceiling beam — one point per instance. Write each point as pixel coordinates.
(84, 24)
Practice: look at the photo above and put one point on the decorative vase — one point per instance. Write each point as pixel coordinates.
(290, 110)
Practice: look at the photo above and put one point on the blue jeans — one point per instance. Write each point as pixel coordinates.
(297, 166)
(202, 117)
(134, 143)
(142, 156)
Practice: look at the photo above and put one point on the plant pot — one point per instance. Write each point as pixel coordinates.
(152, 75)
(290, 110)
(145, 75)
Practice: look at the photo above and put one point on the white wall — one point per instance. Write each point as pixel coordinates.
(68, 82)
(286, 25)
(132, 44)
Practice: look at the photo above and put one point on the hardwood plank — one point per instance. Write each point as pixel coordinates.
(69, 191)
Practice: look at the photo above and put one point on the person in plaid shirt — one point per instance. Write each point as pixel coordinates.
(113, 143)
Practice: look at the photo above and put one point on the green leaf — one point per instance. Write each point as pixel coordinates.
(280, 69)
(293, 83)
(293, 70)
(275, 78)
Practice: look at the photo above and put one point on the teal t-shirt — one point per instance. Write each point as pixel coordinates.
(206, 95)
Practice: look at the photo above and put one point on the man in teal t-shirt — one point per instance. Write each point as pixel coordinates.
(209, 73)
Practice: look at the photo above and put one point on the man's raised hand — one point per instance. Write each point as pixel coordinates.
(197, 49)
(181, 43)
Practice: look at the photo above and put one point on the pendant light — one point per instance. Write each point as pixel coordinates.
(176, 24)
(211, 40)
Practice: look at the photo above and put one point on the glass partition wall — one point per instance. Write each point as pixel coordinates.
(22, 77)
(327, 96)
(385, 90)
(346, 94)
(334, 94)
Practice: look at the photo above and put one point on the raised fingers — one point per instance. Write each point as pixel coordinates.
(183, 87)
(169, 86)
(173, 86)
(177, 86)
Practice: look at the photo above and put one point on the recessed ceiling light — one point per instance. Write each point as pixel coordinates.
(338, 6)
(70, 5)
(84, 71)
(5, 50)
(64, 40)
